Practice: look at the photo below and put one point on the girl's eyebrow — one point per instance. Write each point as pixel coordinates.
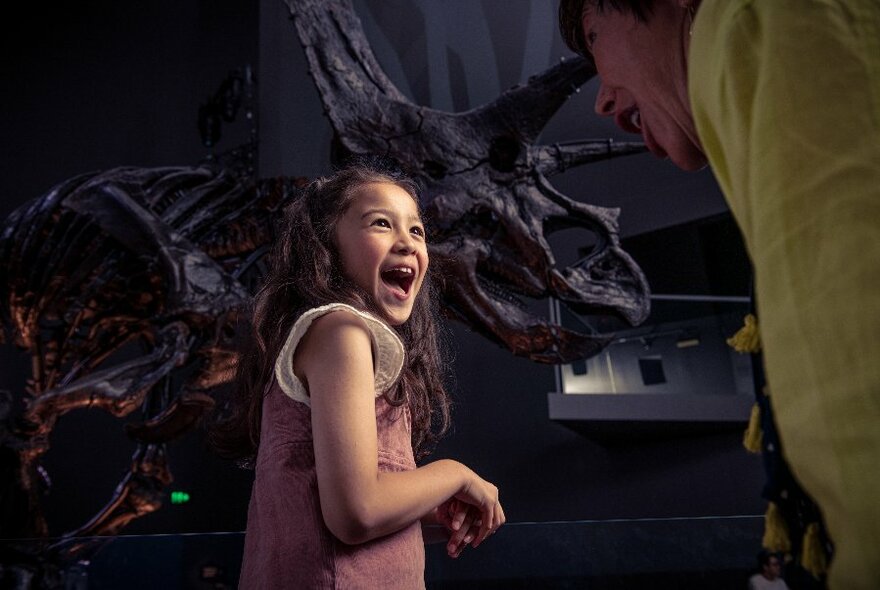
(389, 213)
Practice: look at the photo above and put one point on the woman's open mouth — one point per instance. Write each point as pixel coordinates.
(400, 277)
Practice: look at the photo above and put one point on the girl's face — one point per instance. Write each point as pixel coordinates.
(381, 242)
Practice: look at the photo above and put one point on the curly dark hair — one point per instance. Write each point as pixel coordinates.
(304, 272)
(571, 14)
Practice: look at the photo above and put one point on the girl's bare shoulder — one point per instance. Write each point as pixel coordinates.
(338, 323)
(337, 333)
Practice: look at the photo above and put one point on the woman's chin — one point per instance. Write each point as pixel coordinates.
(689, 160)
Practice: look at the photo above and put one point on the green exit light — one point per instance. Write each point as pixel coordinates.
(179, 497)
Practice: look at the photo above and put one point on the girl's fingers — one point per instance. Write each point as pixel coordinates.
(461, 531)
(442, 517)
(460, 537)
(493, 519)
(459, 516)
(485, 526)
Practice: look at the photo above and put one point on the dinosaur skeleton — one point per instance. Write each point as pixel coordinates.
(124, 286)
(487, 194)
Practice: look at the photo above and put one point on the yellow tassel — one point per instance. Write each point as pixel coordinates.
(747, 339)
(775, 531)
(753, 434)
(812, 555)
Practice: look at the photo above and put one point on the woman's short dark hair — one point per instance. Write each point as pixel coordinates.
(571, 14)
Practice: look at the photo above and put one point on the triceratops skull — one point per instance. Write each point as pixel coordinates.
(487, 193)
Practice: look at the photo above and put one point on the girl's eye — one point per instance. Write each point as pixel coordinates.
(381, 222)
(419, 231)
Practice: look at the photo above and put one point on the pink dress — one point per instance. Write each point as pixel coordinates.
(287, 544)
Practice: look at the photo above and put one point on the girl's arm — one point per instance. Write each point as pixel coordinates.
(359, 503)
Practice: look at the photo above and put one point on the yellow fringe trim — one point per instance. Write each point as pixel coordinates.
(753, 435)
(747, 338)
(813, 557)
(775, 531)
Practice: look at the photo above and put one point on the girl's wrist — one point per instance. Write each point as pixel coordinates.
(465, 477)
(456, 473)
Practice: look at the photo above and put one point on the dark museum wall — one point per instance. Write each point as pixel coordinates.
(99, 84)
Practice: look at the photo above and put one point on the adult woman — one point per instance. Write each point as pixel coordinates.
(782, 99)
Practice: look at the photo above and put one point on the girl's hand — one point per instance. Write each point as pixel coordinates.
(482, 496)
(461, 521)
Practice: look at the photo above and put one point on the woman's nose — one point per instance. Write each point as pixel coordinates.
(604, 101)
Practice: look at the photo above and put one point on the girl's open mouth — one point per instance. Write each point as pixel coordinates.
(399, 276)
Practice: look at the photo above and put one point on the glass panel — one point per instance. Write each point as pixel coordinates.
(658, 553)
(680, 349)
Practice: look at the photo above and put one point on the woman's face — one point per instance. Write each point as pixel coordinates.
(643, 71)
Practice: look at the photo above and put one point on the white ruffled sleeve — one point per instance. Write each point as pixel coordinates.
(388, 353)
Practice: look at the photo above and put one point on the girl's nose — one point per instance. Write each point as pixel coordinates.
(405, 244)
(604, 101)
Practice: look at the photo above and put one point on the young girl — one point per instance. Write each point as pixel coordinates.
(345, 385)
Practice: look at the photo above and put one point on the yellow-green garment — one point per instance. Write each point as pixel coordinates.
(786, 98)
